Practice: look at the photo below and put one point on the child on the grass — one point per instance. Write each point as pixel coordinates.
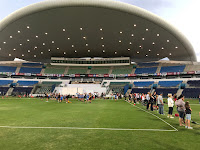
(188, 115)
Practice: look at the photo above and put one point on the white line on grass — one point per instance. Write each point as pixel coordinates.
(77, 128)
(154, 116)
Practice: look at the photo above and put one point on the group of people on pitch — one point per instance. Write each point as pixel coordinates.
(154, 101)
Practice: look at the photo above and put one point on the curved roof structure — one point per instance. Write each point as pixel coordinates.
(90, 28)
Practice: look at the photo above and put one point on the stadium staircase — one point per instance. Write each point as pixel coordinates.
(158, 69)
(9, 92)
(42, 71)
(110, 71)
(18, 69)
(88, 71)
(179, 92)
(133, 71)
(128, 92)
(66, 70)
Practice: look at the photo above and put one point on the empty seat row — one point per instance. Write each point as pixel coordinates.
(143, 84)
(169, 83)
(172, 69)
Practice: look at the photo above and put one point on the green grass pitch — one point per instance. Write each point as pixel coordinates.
(89, 124)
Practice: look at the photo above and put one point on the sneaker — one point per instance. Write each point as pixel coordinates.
(186, 126)
(190, 127)
(167, 116)
(171, 117)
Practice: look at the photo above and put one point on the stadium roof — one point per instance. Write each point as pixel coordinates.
(90, 28)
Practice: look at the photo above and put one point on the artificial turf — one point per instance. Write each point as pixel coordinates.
(31, 112)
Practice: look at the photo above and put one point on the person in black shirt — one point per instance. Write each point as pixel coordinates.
(188, 115)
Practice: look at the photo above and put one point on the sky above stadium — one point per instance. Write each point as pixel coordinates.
(183, 14)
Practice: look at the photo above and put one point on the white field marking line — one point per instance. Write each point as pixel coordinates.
(77, 128)
(154, 116)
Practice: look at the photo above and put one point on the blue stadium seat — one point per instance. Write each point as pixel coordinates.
(32, 64)
(27, 83)
(143, 84)
(150, 70)
(172, 69)
(3, 90)
(5, 82)
(140, 90)
(166, 91)
(169, 83)
(22, 90)
(30, 70)
(7, 69)
(195, 83)
(191, 92)
(148, 64)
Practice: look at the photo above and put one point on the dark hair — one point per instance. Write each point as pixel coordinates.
(187, 105)
(180, 96)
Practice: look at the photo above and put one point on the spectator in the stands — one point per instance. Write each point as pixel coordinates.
(170, 105)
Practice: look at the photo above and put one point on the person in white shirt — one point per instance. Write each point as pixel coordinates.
(148, 100)
(170, 105)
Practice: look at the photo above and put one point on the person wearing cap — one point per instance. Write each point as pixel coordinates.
(180, 104)
(160, 103)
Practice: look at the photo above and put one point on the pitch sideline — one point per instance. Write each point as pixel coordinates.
(175, 129)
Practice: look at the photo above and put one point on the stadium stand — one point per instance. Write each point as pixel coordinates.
(100, 70)
(194, 83)
(169, 83)
(140, 90)
(120, 70)
(27, 83)
(143, 84)
(45, 87)
(166, 91)
(148, 64)
(32, 64)
(22, 90)
(172, 69)
(54, 71)
(149, 70)
(191, 92)
(7, 69)
(77, 70)
(3, 90)
(118, 83)
(30, 70)
(5, 82)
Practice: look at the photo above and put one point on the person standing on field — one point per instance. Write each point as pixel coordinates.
(160, 104)
(170, 105)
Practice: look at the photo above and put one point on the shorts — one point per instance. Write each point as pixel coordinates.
(181, 114)
(188, 117)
